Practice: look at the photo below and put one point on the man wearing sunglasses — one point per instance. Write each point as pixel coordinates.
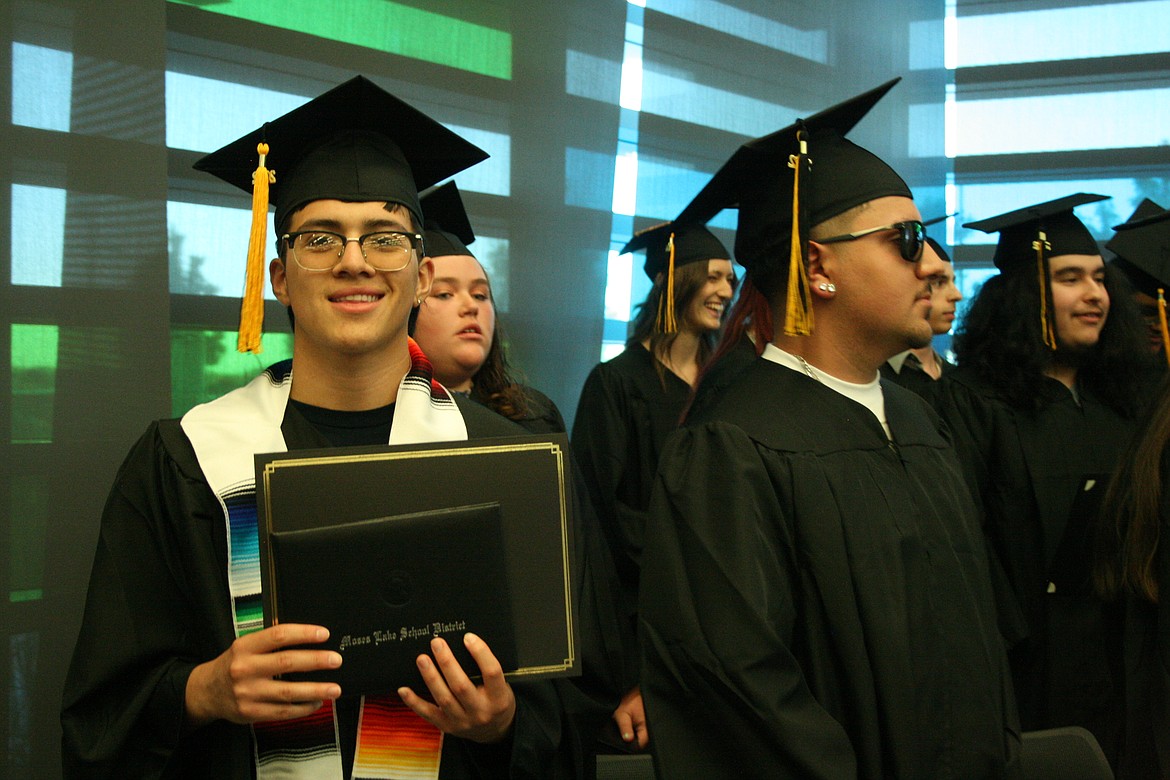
(815, 599)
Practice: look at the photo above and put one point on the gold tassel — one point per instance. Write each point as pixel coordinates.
(798, 319)
(665, 321)
(1046, 330)
(252, 307)
(1162, 323)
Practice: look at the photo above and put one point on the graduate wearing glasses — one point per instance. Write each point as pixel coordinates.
(815, 599)
(918, 369)
(174, 673)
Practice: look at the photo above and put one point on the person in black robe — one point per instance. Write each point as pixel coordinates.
(457, 327)
(1132, 567)
(125, 699)
(815, 598)
(165, 681)
(630, 404)
(1141, 248)
(1041, 406)
(919, 369)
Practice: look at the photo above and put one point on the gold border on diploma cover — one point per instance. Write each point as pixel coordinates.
(472, 448)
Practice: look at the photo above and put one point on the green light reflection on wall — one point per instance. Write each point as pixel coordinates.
(34, 382)
(205, 364)
(26, 542)
(384, 26)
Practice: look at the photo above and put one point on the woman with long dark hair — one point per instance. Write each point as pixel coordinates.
(630, 404)
(1133, 569)
(456, 324)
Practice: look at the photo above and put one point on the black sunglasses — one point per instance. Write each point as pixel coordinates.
(911, 238)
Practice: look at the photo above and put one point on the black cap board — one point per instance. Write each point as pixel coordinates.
(788, 181)
(936, 245)
(692, 243)
(447, 230)
(758, 179)
(356, 142)
(1019, 230)
(1142, 246)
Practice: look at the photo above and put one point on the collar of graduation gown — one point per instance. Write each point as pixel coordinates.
(899, 361)
(229, 431)
(782, 409)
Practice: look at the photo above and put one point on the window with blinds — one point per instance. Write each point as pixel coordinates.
(1048, 99)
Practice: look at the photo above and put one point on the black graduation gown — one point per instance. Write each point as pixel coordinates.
(815, 600)
(1029, 472)
(1145, 753)
(158, 605)
(720, 374)
(913, 377)
(541, 416)
(623, 419)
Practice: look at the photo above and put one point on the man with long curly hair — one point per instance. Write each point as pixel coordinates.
(1041, 404)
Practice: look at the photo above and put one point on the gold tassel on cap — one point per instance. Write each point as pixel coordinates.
(1045, 322)
(1162, 323)
(798, 320)
(664, 321)
(252, 308)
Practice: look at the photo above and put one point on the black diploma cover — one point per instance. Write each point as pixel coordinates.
(471, 529)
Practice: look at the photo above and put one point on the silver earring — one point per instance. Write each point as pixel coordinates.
(828, 287)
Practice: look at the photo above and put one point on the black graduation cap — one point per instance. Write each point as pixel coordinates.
(1031, 235)
(810, 164)
(447, 228)
(356, 142)
(689, 244)
(1142, 246)
(939, 250)
(1052, 222)
(936, 245)
(670, 245)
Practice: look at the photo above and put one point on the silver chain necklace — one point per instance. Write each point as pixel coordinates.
(808, 369)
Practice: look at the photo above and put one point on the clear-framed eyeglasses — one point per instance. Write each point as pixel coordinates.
(385, 250)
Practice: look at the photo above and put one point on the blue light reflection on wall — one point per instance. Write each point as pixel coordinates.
(207, 247)
(811, 45)
(42, 87)
(1054, 34)
(1061, 122)
(37, 235)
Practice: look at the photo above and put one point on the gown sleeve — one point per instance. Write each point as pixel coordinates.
(557, 720)
(971, 423)
(602, 444)
(718, 613)
(544, 416)
(148, 622)
(599, 441)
